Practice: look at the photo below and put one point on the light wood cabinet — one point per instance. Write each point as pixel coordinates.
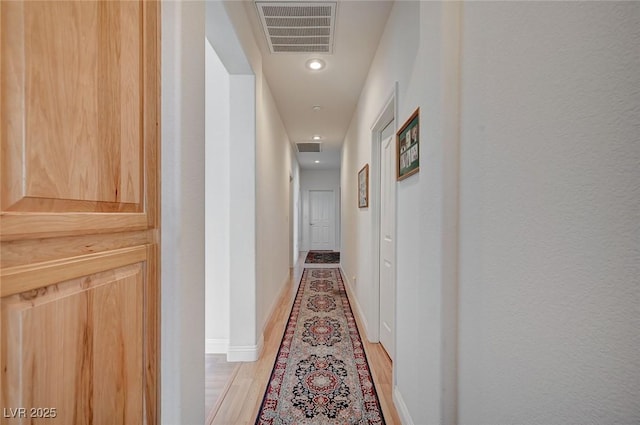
(79, 211)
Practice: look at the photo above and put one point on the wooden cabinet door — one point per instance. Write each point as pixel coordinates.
(79, 211)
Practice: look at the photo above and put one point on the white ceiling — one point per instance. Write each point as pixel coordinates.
(359, 26)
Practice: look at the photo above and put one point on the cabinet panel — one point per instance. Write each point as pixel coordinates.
(77, 346)
(80, 95)
(79, 116)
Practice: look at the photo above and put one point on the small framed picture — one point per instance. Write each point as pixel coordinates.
(363, 187)
(408, 147)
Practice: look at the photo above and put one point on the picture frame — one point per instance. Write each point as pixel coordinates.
(363, 187)
(408, 147)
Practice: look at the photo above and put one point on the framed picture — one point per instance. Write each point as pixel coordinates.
(408, 147)
(363, 187)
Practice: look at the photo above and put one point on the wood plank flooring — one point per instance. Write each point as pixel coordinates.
(241, 402)
(219, 374)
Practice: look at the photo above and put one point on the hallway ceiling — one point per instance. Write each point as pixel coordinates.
(336, 88)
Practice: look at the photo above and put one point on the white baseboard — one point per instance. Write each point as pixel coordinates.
(216, 346)
(251, 353)
(245, 353)
(355, 305)
(401, 407)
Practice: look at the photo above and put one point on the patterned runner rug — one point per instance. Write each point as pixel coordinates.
(321, 375)
(329, 257)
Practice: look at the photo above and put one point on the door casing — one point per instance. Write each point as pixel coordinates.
(388, 113)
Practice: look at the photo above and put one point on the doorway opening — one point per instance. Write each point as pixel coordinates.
(230, 255)
(320, 210)
(321, 220)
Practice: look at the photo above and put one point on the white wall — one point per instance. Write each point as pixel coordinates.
(274, 158)
(415, 50)
(275, 162)
(525, 214)
(550, 214)
(182, 212)
(244, 341)
(318, 180)
(217, 197)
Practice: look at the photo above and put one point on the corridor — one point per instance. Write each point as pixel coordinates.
(516, 238)
(166, 165)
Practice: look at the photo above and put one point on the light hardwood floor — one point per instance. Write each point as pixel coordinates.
(241, 402)
(219, 374)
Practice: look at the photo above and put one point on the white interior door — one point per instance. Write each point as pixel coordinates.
(387, 244)
(321, 219)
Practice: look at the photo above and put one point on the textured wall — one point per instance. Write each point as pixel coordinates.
(182, 256)
(550, 214)
(418, 51)
(274, 158)
(547, 247)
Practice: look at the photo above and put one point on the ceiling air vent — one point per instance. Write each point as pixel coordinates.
(298, 27)
(308, 147)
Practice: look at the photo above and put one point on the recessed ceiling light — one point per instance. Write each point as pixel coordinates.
(316, 137)
(315, 64)
(316, 107)
(317, 162)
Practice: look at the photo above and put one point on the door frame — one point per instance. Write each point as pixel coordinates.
(387, 113)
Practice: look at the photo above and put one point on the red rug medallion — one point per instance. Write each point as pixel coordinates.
(321, 375)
